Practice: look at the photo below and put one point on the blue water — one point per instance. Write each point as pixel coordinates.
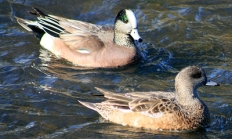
(39, 92)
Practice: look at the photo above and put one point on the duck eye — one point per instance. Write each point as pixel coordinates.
(196, 75)
(122, 16)
(124, 19)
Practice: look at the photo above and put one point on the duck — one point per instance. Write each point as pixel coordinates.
(85, 44)
(179, 111)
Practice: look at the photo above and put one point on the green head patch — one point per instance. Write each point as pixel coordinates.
(122, 16)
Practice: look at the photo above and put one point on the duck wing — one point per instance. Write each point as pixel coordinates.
(150, 102)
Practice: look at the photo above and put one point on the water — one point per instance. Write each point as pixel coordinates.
(39, 92)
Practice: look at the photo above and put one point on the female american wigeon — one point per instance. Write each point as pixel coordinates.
(182, 110)
(86, 44)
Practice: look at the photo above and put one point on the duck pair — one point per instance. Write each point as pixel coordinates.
(90, 45)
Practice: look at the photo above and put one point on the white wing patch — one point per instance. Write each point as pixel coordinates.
(83, 51)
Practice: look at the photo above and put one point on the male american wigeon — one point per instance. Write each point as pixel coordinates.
(176, 111)
(86, 44)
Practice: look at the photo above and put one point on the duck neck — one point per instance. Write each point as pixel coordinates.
(187, 96)
(123, 39)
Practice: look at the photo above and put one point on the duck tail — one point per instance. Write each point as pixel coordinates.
(37, 12)
(89, 105)
(31, 26)
(44, 24)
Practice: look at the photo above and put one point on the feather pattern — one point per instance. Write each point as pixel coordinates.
(172, 111)
(86, 44)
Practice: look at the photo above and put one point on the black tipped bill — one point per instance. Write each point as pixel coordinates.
(211, 83)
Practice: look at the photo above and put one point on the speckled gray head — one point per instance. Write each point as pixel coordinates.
(194, 75)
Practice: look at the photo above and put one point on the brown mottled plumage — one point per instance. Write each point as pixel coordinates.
(86, 44)
(169, 111)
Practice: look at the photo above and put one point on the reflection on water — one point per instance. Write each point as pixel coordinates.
(39, 92)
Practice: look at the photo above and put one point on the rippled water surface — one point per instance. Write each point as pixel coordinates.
(39, 92)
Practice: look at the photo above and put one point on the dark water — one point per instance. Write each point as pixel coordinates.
(39, 93)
